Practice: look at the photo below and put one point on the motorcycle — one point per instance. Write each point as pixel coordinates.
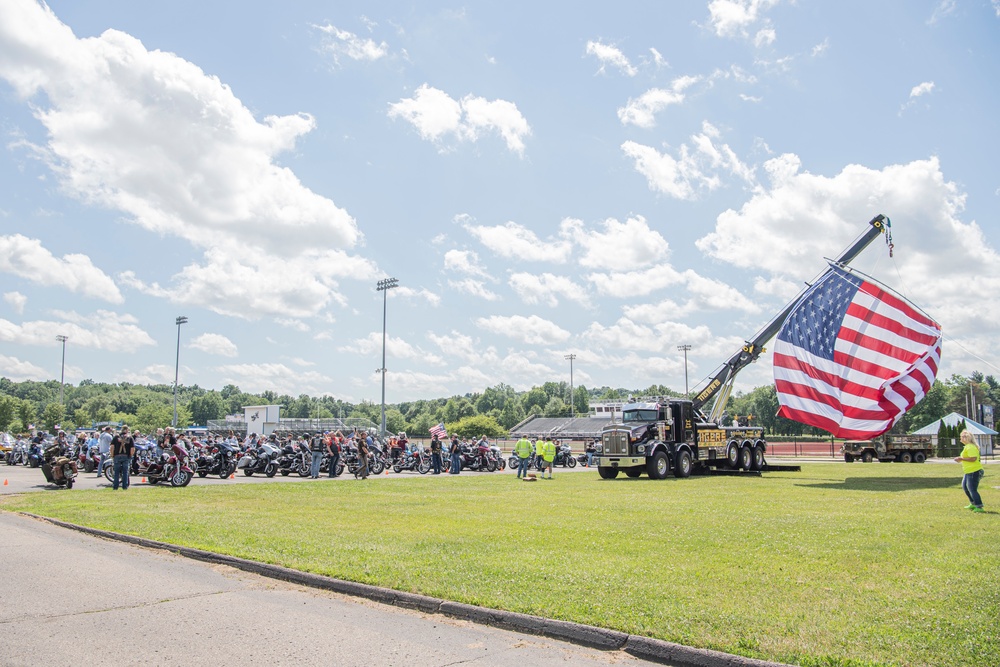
(64, 465)
(413, 461)
(215, 461)
(497, 455)
(88, 458)
(18, 455)
(263, 459)
(34, 456)
(295, 458)
(565, 458)
(171, 467)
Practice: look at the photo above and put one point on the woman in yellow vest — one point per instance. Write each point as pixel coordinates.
(973, 469)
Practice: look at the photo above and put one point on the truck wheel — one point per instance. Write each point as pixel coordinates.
(848, 458)
(919, 457)
(682, 466)
(733, 455)
(866, 457)
(632, 473)
(758, 458)
(746, 458)
(905, 457)
(658, 466)
(607, 472)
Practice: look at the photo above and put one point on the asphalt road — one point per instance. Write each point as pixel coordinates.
(70, 598)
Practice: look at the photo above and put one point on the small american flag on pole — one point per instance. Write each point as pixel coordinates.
(439, 431)
(852, 357)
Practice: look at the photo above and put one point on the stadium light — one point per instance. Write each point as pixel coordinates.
(384, 286)
(572, 411)
(177, 365)
(684, 349)
(62, 374)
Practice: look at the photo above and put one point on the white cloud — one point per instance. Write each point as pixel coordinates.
(547, 288)
(423, 293)
(642, 111)
(256, 378)
(16, 370)
(765, 37)
(436, 115)
(633, 242)
(610, 55)
(102, 330)
(734, 18)
(395, 348)
(943, 9)
(626, 284)
(16, 300)
(465, 261)
(27, 259)
(344, 43)
(214, 344)
(924, 88)
(153, 374)
(292, 323)
(150, 134)
(820, 48)
(476, 288)
(532, 330)
(696, 167)
(464, 347)
(512, 240)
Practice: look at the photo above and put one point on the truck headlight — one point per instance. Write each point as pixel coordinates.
(641, 449)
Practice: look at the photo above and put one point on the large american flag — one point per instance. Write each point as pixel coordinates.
(852, 358)
(439, 431)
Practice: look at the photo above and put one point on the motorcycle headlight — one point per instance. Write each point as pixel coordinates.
(599, 447)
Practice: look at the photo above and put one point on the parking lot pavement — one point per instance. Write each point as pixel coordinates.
(78, 598)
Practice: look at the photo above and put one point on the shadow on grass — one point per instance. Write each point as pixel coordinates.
(889, 483)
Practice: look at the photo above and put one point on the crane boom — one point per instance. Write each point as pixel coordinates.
(722, 380)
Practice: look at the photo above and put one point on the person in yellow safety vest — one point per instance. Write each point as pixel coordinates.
(549, 454)
(523, 450)
(972, 470)
(539, 451)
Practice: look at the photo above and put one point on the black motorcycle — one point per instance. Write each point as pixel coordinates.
(217, 460)
(413, 461)
(294, 458)
(59, 470)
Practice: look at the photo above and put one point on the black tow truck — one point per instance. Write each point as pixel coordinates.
(673, 434)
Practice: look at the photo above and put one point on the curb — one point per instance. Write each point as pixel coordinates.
(646, 648)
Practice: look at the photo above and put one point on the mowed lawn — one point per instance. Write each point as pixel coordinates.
(840, 564)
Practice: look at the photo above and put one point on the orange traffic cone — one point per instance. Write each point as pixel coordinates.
(232, 476)
(143, 480)
(5, 482)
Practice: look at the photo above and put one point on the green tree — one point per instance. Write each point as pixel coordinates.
(8, 410)
(555, 407)
(27, 413)
(475, 426)
(53, 414)
(209, 405)
(394, 420)
(581, 401)
(534, 401)
(511, 415)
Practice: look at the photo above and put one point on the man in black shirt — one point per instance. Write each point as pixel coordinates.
(122, 451)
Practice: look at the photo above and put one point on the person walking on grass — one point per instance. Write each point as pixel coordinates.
(523, 450)
(548, 455)
(972, 467)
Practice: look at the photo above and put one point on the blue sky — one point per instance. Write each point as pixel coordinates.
(609, 180)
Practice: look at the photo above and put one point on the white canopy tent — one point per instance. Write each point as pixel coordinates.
(982, 434)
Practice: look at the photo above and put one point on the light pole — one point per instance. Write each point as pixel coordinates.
(177, 365)
(684, 349)
(384, 286)
(62, 373)
(572, 412)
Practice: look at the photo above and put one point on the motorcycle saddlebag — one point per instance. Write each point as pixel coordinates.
(244, 462)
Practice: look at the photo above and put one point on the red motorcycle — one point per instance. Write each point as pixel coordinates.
(88, 459)
(171, 467)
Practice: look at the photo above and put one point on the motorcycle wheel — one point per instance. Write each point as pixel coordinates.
(377, 467)
(502, 464)
(304, 471)
(69, 482)
(248, 472)
(88, 466)
(397, 468)
(227, 471)
(284, 472)
(271, 470)
(571, 462)
(203, 473)
(424, 468)
(109, 473)
(491, 466)
(339, 471)
(180, 478)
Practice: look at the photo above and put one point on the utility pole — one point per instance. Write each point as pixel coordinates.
(62, 374)
(684, 349)
(384, 286)
(572, 408)
(177, 365)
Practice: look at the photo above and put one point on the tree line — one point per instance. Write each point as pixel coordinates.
(492, 412)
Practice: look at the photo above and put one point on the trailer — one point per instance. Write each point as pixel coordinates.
(889, 448)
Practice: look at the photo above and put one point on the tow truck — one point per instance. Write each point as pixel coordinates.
(675, 434)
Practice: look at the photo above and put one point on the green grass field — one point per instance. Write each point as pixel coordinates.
(837, 565)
